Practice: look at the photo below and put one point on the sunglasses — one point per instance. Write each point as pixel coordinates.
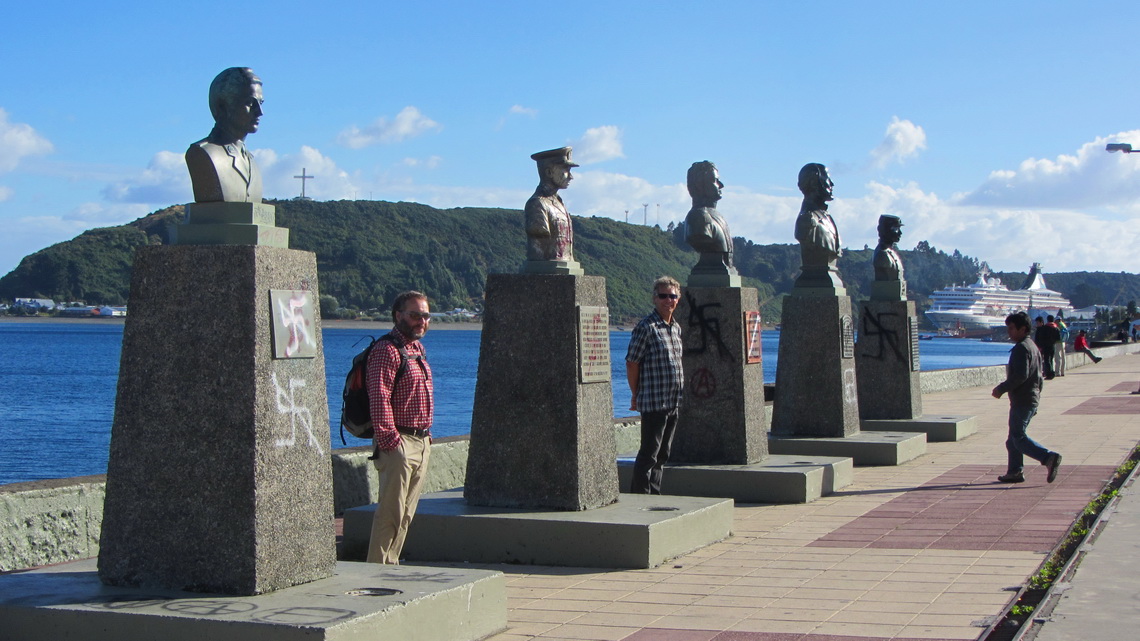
(418, 315)
(668, 296)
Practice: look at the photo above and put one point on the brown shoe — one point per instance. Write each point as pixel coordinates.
(1012, 478)
(1052, 462)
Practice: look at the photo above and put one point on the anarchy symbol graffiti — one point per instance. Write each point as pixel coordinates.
(703, 384)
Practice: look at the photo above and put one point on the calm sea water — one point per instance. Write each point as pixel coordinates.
(57, 394)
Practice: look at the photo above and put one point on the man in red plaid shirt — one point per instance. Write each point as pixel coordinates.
(402, 412)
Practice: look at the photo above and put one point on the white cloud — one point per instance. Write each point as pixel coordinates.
(1091, 177)
(431, 162)
(19, 140)
(278, 175)
(5, 193)
(598, 144)
(165, 181)
(903, 140)
(409, 123)
(519, 110)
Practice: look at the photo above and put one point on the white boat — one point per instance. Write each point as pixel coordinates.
(981, 307)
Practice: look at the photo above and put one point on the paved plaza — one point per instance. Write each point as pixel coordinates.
(932, 549)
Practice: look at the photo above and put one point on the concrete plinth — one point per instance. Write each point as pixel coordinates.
(230, 223)
(639, 531)
(938, 429)
(219, 478)
(360, 601)
(723, 419)
(542, 427)
(865, 448)
(777, 479)
(816, 389)
(887, 361)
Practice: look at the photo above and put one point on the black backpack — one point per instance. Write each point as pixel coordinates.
(355, 411)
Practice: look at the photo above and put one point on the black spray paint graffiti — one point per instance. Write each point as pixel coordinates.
(873, 327)
(709, 328)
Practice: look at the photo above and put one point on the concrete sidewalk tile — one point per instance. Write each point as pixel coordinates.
(773, 626)
(662, 598)
(735, 601)
(864, 616)
(697, 622)
(634, 607)
(564, 605)
(591, 632)
(658, 634)
(615, 619)
(940, 633)
(863, 630)
(523, 615)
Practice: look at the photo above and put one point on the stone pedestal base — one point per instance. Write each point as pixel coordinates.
(541, 438)
(938, 429)
(219, 476)
(816, 390)
(865, 448)
(639, 531)
(723, 419)
(549, 267)
(231, 224)
(886, 357)
(777, 479)
(360, 601)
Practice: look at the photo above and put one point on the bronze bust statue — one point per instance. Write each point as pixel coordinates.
(707, 231)
(888, 264)
(221, 168)
(549, 231)
(816, 230)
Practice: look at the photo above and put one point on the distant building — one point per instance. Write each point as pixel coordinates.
(36, 304)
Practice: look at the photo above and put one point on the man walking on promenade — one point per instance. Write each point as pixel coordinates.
(656, 380)
(400, 397)
(1023, 383)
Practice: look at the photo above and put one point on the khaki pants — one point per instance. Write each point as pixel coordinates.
(402, 472)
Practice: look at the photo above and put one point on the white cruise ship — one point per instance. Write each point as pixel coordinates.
(979, 308)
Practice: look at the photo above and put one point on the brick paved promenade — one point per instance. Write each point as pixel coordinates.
(926, 550)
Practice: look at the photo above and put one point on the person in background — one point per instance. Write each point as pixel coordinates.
(1023, 383)
(1046, 339)
(1081, 344)
(1059, 346)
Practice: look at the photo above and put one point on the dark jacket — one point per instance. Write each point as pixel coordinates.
(1023, 374)
(1046, 337)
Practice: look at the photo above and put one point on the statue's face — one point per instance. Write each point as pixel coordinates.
(825, 184)
(892, 233)
(243, 114)
(558, 174)
(717, 187)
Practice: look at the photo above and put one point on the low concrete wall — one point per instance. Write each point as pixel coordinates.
(46, 522)
(58, 520)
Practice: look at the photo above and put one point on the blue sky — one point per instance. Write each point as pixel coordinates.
(981, 124)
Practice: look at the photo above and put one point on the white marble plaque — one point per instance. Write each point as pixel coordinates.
(294, 323)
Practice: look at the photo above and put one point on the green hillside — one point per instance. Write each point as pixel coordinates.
(367, 251)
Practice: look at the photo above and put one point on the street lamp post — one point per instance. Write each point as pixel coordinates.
(1119, 146)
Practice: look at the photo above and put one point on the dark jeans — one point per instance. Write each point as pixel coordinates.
(1047, 363)
(657, 429)
(1019, 442)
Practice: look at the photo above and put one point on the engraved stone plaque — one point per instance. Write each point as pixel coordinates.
(848, 336)
(294, 323)
(752, 350)
(593, 344)
(912, 328)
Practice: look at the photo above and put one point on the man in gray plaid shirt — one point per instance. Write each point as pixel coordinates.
(656, 379)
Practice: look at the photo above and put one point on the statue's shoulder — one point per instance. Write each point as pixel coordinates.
(204, 150)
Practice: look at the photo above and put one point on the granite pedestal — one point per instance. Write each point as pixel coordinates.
(219, 478)
(776, 479)
(938, 429)
(639, 531)
(359, 601)
(816, 389)
(542, 426)
(723, 419)
(887, 361)
(864, 448)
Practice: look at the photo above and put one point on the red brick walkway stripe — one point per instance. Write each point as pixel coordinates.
(967, 509)
(1108, 405)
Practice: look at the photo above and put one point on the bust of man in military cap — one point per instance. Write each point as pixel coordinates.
(706, 230)
(887, 262)
(221, 168)
(816, 230)
(549, 232)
